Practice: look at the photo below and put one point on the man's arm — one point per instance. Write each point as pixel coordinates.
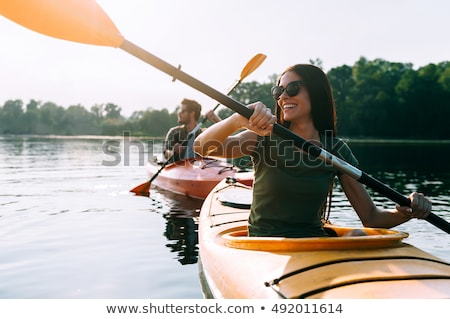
(211, 116)
(169, 143)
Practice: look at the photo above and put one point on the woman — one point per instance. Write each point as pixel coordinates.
(291, 188)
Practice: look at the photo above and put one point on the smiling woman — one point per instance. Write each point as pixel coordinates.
(286, 178)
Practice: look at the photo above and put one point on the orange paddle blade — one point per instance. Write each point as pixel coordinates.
(252, 65)
(73, 20)
(142, 190)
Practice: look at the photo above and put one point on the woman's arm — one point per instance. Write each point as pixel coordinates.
(372, 216)
(218, 139)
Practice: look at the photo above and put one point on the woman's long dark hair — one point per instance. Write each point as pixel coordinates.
(323, 109)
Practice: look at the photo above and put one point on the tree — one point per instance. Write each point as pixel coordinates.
(13, 121)
(155, 122)
(425, 101)
(97, 110)
(51, 119)
(112, 111)
(375, 98)
(31, 117)
(342, 82)
(80, 122)
(250, 92)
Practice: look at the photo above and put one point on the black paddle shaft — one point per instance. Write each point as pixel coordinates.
(281, 131)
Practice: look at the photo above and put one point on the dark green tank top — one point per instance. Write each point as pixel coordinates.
(291, 187)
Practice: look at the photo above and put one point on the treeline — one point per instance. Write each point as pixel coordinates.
(376, 99)
(391, 100)
(102, 119)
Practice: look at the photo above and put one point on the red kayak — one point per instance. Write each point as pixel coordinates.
(196, 177)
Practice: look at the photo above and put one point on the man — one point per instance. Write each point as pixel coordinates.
(188, 116)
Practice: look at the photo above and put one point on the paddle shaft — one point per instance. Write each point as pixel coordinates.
(248, 69)
(228, 93)
(251, 66)
(144, 189)
(281, 131)
(169, 160)
(204, 119)
(199, 125)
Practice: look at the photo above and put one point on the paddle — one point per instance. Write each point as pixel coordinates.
(252, 65)
(144, 189)
(84, 21)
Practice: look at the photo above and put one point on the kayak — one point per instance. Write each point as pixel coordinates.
(196, 177)
(378, 265)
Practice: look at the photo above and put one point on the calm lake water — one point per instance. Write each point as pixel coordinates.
(70, 228)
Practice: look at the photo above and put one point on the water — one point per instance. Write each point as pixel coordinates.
(70, 228)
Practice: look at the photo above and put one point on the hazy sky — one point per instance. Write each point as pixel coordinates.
(212, 40)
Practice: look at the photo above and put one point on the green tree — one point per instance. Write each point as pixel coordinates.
(342, 81)
(425, 97)
(98, 111)
(155, 122)
(250, 92)
(51, 119)
(13, 121)
(373, 99)
(372, 102)
(112, 111)
(112, 123)
(80, 122)
(31, 117)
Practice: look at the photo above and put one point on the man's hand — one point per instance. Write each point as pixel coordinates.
(211, 116)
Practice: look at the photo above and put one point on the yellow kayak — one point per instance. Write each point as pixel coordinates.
(379, 265)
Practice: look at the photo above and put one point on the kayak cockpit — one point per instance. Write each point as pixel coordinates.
(237, 237)
(376, 238)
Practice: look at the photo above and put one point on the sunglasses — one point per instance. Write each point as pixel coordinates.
(292, 89)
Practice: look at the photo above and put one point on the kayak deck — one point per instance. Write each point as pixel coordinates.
(195, 177)
(380, 265)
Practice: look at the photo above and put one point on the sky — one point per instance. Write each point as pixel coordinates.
(213, 40)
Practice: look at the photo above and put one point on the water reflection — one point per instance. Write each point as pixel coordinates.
(181, 232)
(69, 228)
(407, 165)
(181, 215)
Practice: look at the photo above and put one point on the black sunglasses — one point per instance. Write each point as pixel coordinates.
(292, 89)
